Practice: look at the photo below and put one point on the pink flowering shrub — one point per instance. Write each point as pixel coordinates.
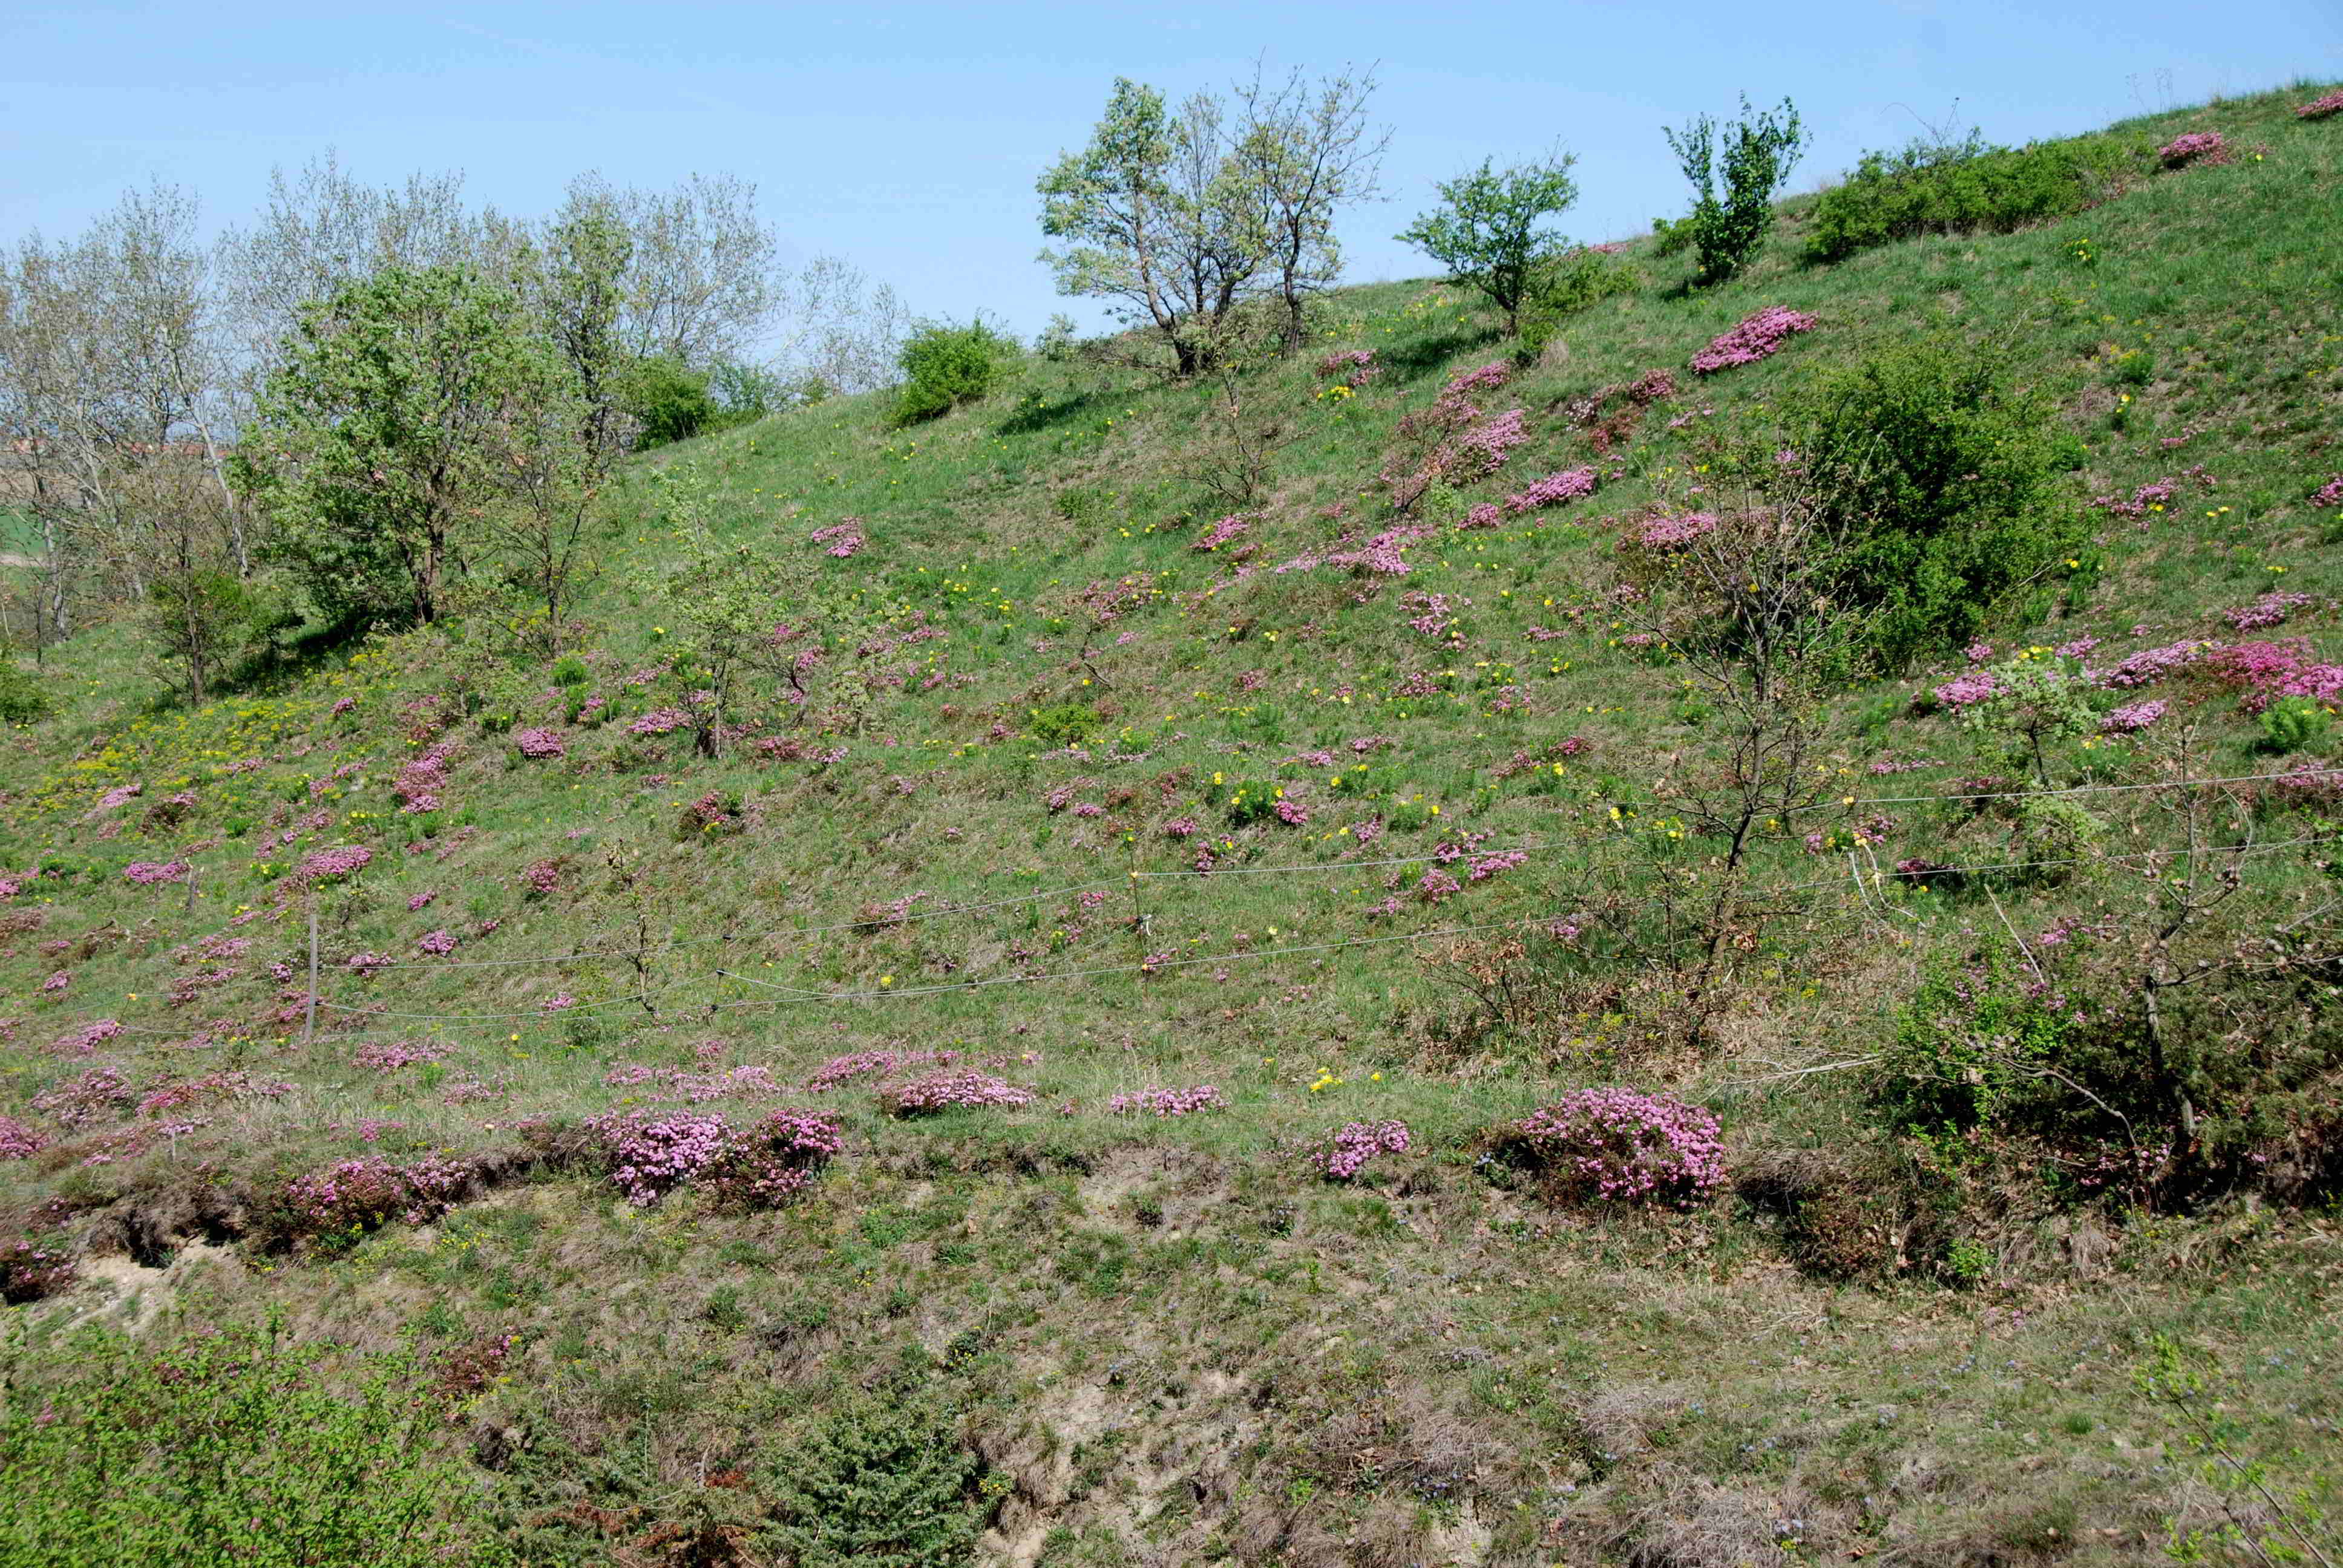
(541, 877)
(99, 1094)
(660, 721)
(2265, 671)
(652, 1154)
(388, 1056)
(770, 1162)
(18, 1142)
(84, 1040)
(2331, 493)
(1349, 1150)
(146, 873)
(330, 865)
(1229, 528)
(1487, 378)
(2319, 108)
(2134, 718)
(2270, 610)
(1754, 338)
(539, 743)
(1350, 366)
(945, 1090)
(2196, 147)
(30, 1270)
(437, 944)
(1488, 445)
(843, 538)
(1665, 533)
(1169, 1101)
(1553, 490)
(1618, 1145)
(1968, 689)
(334, 1207)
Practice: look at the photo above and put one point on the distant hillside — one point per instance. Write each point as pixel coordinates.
(1367, 967)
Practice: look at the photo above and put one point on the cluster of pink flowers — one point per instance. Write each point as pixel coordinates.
(2132, 719)
(2265, 671)
(1293, 813)
(2321, 107)
(1487, 378)
(845, 1069)
(2154, 664)
(1617, 1144)
(29, 1271)
(2270, 610)
(1351, 366)
(1492, 442)
(945, 1090)
(1169, 1101)
(541, 877)
(1232, 527)
(2156, 495)
(1966, 690)
(1650, 386)
(1349, 1150)
(326, 865)
(226, 1085)
(769, 1162)
(388, 1056)
(1553, 490)
(1666, 533)
(1180, 827)
(438, 943)
(18, 1142)
(146, 873)
(651, 1154)
(368, 965)
(2196, 147)
(357, 1195)
(421, 779)
(843, 538)
(2329, 494)
(84, 1040)
(1488, 866)
(541, 743)
(1756, 337)
(660, 721)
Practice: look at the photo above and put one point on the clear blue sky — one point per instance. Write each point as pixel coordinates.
(906, 138)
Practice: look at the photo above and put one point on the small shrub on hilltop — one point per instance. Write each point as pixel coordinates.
(22, 701)
(2196, 147)
(1733, 195)
(1490, 233)
(945, 365)
(2321, 107)
(1615, 1145)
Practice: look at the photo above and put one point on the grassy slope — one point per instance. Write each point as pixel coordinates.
(1170, 1339)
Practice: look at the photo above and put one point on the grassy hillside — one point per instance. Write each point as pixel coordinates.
(1076, 802)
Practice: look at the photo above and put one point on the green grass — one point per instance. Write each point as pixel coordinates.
(1165, 1332)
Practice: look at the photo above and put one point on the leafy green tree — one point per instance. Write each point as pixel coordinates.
(374, 450)
(1157, 219)
(878, 1484)
(1726, 225)
(1491, 235)
(668, 401)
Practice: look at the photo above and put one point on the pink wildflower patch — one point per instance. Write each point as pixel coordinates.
(1233, 526)
(1757, 337)
(1620, 1146)
(950, 1090)
(331, 865)
(2134, 718)
(540, 743)
(1169, 1101)
(1553, 490)
(2321, 107)
(2196, 147)
(1351, 1149)
(146, 873)
(842, 538)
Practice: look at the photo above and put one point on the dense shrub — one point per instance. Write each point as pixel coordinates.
(1735, 169)
(1933, 475)
(1962, 187)
(22, 701)
(1615, 1145)
(1352, 1148)
(946, 366)
(884, 1483)
(224, 1447)
(669, 401)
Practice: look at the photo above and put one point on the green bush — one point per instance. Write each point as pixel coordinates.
(882, 1483)
(1961, 188)
(223, 1448)
(1563, 288)
(1934, 474)
(2292, 724)
(669, 400)
(946, 366)
(22, 701)
(1733, 184)
(1067, 724)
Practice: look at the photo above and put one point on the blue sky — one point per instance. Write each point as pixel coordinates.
(906, 138)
